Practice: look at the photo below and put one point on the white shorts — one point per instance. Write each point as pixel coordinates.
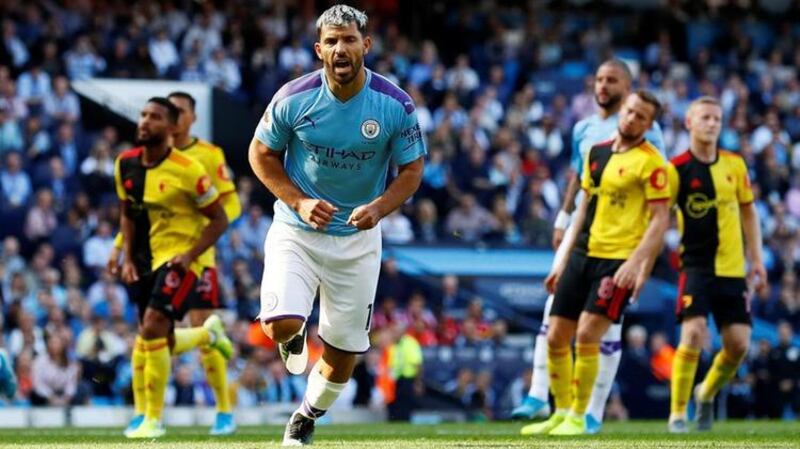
(344, 268)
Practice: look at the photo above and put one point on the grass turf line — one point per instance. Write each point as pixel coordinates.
(633, 435)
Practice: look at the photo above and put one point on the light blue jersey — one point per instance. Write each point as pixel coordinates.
(340, 152)
(594, 129)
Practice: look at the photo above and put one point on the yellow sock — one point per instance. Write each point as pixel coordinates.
(156, 373)
(137, 375)
(188, 338)
(559, 365)
(722, 370)
(217, 377)
(587, 363)
(684, 367)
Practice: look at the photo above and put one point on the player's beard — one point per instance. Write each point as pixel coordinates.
(153, 140)
(347, 79)
(630, 137)
(612, 103)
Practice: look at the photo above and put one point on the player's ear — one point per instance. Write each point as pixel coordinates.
(687, 121)
(318, 50)
(367, 44)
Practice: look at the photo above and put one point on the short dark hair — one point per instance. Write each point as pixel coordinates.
(620, 64)
(651, 99)
(172, 111)
(185, 95)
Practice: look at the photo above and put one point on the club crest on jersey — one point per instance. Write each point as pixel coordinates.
(370, 128)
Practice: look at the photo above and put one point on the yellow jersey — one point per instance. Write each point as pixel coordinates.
(619, 187)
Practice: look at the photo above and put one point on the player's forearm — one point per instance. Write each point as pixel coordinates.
(269, 170)
(568, 205)
(211, 233)
(572, 234)
(402, 187)
(128, 230)
(752, 233)
(653, 239)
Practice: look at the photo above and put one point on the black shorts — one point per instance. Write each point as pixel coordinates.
(167, 290)
(587, 284)
(206, 292)
(725, 298)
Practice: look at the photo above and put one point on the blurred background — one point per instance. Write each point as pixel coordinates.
(498, 86)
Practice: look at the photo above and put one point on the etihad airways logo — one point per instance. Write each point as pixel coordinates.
(340, 159)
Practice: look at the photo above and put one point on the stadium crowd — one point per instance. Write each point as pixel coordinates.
(496, 105)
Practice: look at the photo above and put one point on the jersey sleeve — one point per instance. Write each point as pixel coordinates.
(744, 192)
(121, 194)
(655, 179)
(407, 145)
(274, 129)
(674, 183)
(200, 186)
(222, 177)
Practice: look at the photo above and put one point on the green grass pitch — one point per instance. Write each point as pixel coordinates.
(635, 435)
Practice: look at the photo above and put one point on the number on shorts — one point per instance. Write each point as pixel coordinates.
(606, 289)
(369, 317)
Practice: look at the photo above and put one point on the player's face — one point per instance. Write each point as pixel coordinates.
(154, 126)
(342, 51)
(186, 117)
(610, 86)
(704, 122)
(635, 117)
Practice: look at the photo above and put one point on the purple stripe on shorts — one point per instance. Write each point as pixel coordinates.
(281, 317)
(343, 350)
(610, 347)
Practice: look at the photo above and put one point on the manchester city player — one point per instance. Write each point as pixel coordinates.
(612, 84)
(340, 128)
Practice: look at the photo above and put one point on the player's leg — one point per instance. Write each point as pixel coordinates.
(684, 368)
(171, 289)
(567, 305)
(610, 357)
(288, 288)
(140, 292)
(347, 291)
(591, 327)
(536, 403)
(216, 369)
(603, 306)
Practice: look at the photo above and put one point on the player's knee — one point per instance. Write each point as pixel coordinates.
(693, 332)
(737, 348)
(198, 316)
(155, 325)
(282, 330)
(586, 335)
(556, 338)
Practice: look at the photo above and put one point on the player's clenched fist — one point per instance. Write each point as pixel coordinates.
(129, 274)
(364, 217)
(317, 213)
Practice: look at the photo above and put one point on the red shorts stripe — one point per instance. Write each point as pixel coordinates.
(183, 290)
(681, 288)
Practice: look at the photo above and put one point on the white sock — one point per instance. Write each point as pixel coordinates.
(610, 356)
(540, 384)
(320, 394)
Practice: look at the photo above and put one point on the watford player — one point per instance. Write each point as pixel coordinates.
(621, 223)
(170, 216)
(711, 190)
(202, 305)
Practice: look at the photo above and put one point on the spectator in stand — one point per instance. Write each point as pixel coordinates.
(14, 45)
(469, 222)
(67, 148)
(222, 72)
(785, 372)
(396, 228)
(16, 184)
(61, 105)
(33, 86)
(82, 61)
(426, 225)
(250, 387)
(97, 249)
(203, 34)
(55, 376)
(41, 220)
(163, 52)
(295, 56)
(10, 132)
(253, 229)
